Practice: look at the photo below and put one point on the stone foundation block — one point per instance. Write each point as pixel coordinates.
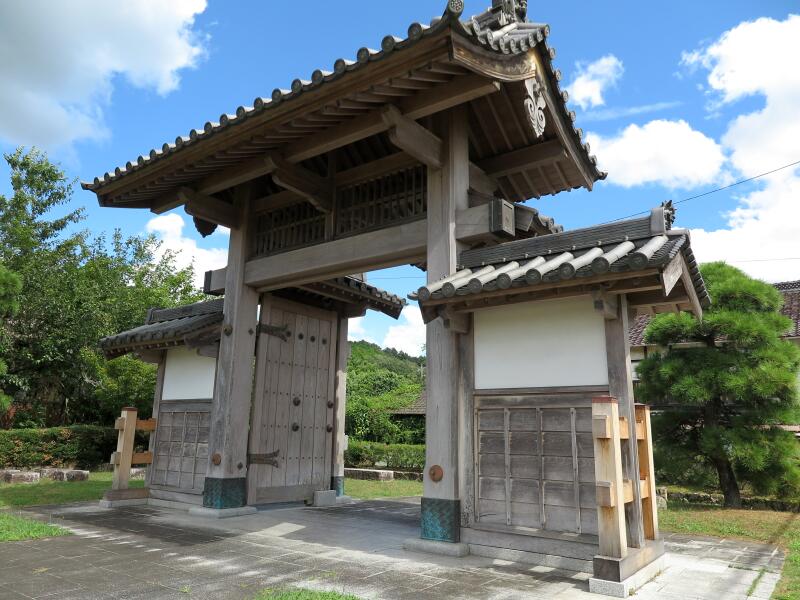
(138, 473)
(77, 475)
(324, 498)
(58, 475)
(369, 474)
(5, 474)
(627, 587)
(24, 477)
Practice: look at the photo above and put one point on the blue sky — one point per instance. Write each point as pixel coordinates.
(676, 98)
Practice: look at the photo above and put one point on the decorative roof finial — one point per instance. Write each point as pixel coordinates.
(669, 213)
(511, 10)
(455, 8)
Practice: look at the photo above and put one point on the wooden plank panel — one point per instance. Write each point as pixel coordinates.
(492, 465)
(588, 497)
(561, 518)
(524, 442)
(525, 490)
(323, 440)
(526, 466)
(283, 400)
(559, 468)
(559, 493)
(523, 419)
(556, 419)
(491, 443)
(490, 420)
(492, 511)
(308, 405)
(295, 411)
(272, 395)
(589, 522)
(492, 488)
(583, 420)
(524, 514)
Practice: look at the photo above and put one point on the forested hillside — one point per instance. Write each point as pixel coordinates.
(379, 381)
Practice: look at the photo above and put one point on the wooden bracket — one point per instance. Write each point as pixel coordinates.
(208, 208)
(411, 137)
(137, 458)
(264, 459)
(606, 304)
(300, 180)
(457, 322)
(601, 427)
(605, 494)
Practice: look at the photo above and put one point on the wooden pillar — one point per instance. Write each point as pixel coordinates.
(620, 385)
(647, 474)
(225, 483)
(608, 477)
(122, 458)
(340, 397)
(447, 192)
(162, 367)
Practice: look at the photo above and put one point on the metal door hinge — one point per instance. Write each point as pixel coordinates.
(279, 331)
(264, 459)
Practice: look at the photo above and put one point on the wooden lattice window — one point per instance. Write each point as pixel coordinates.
(388, 200)
(288, 227)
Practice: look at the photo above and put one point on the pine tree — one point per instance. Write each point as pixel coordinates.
(727, 382)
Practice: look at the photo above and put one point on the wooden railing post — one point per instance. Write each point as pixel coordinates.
(122, 458)
(127, 424)
(647, 472)
(608, 476)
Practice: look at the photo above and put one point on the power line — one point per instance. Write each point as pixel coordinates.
(714, 191)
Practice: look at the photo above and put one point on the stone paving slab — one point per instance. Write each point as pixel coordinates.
(154, 553)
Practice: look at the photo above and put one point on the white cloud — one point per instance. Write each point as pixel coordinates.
(409, 334)
(58, 61)
(356, 331)
(669, 153)
(764, 225)
(593, 79)
(169, 230)
(609, 114)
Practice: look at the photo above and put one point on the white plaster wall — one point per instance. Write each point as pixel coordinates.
(540, 344)
(188, 376)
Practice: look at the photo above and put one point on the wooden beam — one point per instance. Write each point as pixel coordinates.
(459, 90)
(412, 138)
(402, 244)
(300, 180)
(647, 474)
(688, 284)
(523, 159)
(480, 182)
(208, 208)
(235, 175)
(277, 200)
(608, 475)
(375, 169)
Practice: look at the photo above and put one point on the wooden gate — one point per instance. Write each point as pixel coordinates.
(291, 435)
(535, 468)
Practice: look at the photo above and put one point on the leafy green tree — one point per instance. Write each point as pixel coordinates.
(727, 382)
(76, 289)
(10, 287)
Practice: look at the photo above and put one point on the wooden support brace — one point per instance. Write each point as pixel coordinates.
(647, 473)
(624, 431)
(413, 138)
(208, 208)
(137, 458)
(122, 458)
(300, 180)
(146, 424)
(627, 490)
(610, 491)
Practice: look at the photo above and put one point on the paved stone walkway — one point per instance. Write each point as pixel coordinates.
(153, 553)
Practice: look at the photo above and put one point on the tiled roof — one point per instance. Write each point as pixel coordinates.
(514, 38)
(631, 245)
(171, 326)
(791, 309)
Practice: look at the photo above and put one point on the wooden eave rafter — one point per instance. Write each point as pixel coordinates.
(440, 85)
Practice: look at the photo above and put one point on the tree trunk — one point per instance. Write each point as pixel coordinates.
(728, 483)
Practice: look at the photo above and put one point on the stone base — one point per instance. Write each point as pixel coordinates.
(324, 498)
(119, 503)
(623, 589)
(532, 558)
(457, 549)
(619, 569)
(224, 493)
(221, 513)
(440, 519)
(344, 500)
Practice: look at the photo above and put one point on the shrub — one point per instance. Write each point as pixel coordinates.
(403, 457)
(83, 446)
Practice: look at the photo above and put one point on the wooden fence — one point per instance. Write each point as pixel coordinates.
(128, 424)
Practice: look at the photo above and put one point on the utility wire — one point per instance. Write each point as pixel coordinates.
(714, 191)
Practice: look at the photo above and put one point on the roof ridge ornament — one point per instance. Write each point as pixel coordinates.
(502, 14)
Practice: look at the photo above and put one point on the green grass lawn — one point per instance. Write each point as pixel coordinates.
(47, 491)
(360, 488)
(769, 527)
(300, 594)
(14, 528)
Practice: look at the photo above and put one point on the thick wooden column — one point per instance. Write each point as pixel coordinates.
(340, 397)
(620, 385)
(225, 484)
(447, 193)
(162, 367)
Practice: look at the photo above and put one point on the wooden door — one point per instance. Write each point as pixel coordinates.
(535, 468)
(291, 433)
